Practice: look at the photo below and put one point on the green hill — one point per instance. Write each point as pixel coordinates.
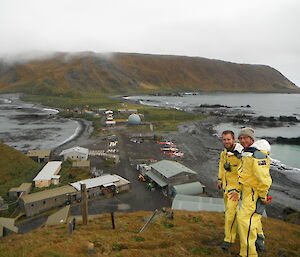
(188, 234)
(124, 73)
(15, 168)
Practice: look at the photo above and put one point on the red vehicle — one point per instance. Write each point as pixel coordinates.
(177, 154)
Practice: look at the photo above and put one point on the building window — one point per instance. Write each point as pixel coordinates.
(44, 202)
(32, 205)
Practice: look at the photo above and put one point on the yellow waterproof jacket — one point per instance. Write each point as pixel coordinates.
(230, 178)
(255, 167)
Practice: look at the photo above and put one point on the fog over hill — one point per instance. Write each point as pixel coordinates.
(129, 73)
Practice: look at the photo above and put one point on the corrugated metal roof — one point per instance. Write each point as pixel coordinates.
(59, 217)
(46, 194)
(198, 203)
(171, 168)
(194, 188)
(48, 171)
(155, 178)
(95, 182)
(76, 149)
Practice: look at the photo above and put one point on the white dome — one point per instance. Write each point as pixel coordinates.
(134, 119)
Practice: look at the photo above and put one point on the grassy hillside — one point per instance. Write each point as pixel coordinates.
(121, 73)
(188, 234)
(15, 168)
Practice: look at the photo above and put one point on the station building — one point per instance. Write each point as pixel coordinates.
(39, 202)
(173, 177)
(48, 175)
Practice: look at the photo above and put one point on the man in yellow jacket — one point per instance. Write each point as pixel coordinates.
(228, 181)
(254, 183)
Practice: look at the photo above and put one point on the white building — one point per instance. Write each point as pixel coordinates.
(48, 175)
(110, 122)
(111, 182)
(109, 112)
(76, 153)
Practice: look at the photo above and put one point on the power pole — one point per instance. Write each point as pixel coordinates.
(84, 204)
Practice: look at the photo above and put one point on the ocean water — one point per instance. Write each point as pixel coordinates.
(260, 104)
(27, 126)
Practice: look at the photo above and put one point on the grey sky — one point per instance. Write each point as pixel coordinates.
(252, 31)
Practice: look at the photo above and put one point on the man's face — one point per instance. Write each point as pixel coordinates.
(245, 141)
(228, 141)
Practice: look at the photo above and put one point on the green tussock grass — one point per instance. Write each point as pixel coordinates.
(15, 168)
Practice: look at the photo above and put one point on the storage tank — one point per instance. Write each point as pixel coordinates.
(134, 119)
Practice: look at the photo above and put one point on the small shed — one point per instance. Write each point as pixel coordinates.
(23, 189)
(198, 203)
(194, 188)
(39, 155)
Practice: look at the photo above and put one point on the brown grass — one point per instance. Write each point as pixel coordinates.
(189, 234)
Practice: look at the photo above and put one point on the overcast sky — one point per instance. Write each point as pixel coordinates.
(252, 31)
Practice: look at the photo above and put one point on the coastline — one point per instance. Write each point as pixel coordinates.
(82, 137)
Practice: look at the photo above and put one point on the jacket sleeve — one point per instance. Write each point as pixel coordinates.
(221, 167)
(261, 168)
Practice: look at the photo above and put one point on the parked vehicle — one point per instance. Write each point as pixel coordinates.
(172, 149)
(166, 142)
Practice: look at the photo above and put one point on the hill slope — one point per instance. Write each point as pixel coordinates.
(123, 73)
(15, 168)
(188, 234)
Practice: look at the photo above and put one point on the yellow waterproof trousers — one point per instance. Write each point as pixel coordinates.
(230, 219)
(249, 222)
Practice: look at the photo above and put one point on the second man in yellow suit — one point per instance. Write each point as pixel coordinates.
(254, 183)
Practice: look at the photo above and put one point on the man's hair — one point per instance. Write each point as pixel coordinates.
(225, 132)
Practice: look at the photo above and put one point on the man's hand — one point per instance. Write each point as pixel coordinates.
(234, 196)
(219, 184)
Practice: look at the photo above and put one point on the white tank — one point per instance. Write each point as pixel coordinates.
(134, 119)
